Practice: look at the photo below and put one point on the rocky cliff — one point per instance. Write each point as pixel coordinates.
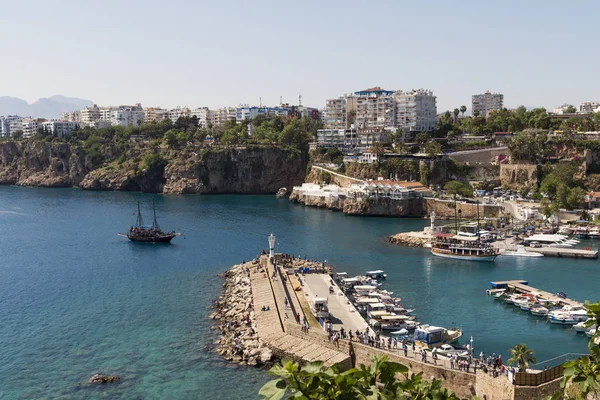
(234, 170)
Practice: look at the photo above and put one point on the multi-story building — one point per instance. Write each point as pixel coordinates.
(589, 107)
(127, 116)
(346, 139)
(89, 116)
(176, 113)
(204, 116)
(155, 114)
(224, 114)
(73, 116)
(416, 110)
(30, 126)
(247, 112)
(487, 102)
(336, 113)
(60, 128)
(304, 112)
(5, 124)
(374, 108)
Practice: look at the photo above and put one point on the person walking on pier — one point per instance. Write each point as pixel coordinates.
(452, 361)
(405, 348)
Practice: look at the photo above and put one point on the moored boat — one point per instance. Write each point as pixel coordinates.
(520, 252)
(460, 247)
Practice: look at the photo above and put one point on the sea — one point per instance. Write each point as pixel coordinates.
(76, 299)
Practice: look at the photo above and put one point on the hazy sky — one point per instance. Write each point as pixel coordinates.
(199, 53)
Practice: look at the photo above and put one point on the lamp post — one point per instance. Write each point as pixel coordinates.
(271, 245)
(471, 349)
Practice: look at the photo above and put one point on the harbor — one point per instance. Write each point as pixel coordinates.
(303, 310)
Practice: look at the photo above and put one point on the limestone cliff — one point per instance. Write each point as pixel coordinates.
(384, 207)
(39, 163)
(230, 170)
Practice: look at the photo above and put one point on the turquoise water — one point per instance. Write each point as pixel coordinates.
(75, 299)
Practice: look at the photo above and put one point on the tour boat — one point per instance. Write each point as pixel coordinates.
(434, 336)
(460, 247)
(520, 252)
(148, 234)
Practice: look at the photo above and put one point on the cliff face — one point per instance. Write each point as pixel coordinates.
(41, 164)
(518, 174)
(235, 171)
(232, 171)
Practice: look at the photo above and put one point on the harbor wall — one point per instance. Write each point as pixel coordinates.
(498, 388)
(386, 207)
(462, 383)
(537, 392)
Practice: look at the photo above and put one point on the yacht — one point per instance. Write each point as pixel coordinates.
(591, 332)
(580, 327)
(520, 252)
(581, 232)
(576, 313)
(551, 240)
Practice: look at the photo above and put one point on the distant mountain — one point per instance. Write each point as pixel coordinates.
(50, 107)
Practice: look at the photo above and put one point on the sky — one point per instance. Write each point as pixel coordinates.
(218, 53)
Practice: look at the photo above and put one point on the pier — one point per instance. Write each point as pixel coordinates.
(523, 287)
(564, 252)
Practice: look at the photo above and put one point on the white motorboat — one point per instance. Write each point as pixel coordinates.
(594, 233)
(580, 327)
(564, 319)
(576, 313)
(565, 230)
(377, 274)
(520, 252)
(526, 306)
(538, 311)
(401, 332)
(550, 240)
(591, 332)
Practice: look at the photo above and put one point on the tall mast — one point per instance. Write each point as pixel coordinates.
(455, 221)
(140, 221)
(154, 223)
(478, 228)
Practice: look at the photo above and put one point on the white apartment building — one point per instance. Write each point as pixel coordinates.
(204, 116)
(73, 116)
(224, 114)
(374, 108)
(89, 116)
(176, 113)
(127, 116)
(487, 102)
(5, 124)
(60, 128)
(562, 109)
(416, 110)
(30, 126)
(340, 138)
(588, 107)
(336, 113)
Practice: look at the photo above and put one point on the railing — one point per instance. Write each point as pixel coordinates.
(528, 379)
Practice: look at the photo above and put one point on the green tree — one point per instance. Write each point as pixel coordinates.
(378, 381)
(432, 148)
(456, 112)
(17, 135)
(421, 138)
(521, 356)
(463, 108)
(570, 109)
(170, 137)
(461, 189)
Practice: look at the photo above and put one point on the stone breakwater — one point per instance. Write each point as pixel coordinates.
(409, 239)
(235, 318)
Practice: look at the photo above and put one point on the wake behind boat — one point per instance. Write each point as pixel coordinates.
(148, 234)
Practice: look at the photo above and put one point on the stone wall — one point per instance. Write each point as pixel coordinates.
(444, 209)
(499, 388)
(537, 392)
(518, 174)
(478, 156)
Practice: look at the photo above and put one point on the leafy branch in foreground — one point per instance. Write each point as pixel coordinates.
(378, 381)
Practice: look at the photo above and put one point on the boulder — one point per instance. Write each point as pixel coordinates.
(265, 356)
(98, 378)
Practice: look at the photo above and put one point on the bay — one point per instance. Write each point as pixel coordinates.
(76, 299)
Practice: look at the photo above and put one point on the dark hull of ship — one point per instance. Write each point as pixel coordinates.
(151, 239)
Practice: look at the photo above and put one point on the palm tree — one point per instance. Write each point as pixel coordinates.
(521, 356)
(456, 111)
(463, 108)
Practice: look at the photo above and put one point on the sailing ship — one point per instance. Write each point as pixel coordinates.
(460, 247)
(149, 234)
